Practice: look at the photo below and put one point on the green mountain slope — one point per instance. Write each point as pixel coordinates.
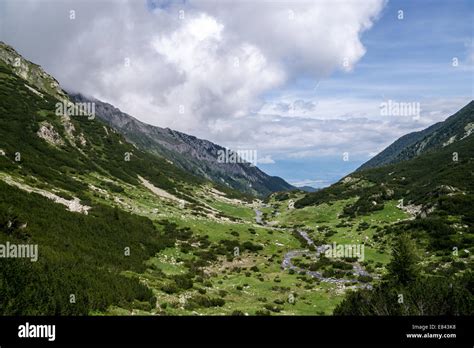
(431, 187)
(81, 255)
(454, 128)
(76, 188)
(436, 189)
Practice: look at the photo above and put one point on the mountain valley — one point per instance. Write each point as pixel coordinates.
(132, 219)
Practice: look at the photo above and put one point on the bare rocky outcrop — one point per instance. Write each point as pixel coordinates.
(349, 180)
(73, 204)
(34, 91)
(82, 140)
(158, 191)
(469, 128)
(49, 134)
(411, 209)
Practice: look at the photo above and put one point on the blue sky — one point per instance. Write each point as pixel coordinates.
(408, 60)
(301, 82)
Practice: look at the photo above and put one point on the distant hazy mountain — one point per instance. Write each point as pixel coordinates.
(308, 189)
(197, 156)
(453, 129)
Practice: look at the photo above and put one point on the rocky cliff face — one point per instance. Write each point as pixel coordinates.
(200, 157)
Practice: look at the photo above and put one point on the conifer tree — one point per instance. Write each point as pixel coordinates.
(403, 268)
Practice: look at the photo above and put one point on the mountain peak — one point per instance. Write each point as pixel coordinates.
(31, 72)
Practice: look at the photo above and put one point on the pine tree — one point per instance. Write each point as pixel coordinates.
(403, 268)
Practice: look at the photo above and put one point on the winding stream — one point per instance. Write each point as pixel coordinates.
(288, 264)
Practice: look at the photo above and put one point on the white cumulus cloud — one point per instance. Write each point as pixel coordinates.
(187, 64)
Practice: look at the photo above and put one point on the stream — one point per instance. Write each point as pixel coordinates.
(288, 264)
